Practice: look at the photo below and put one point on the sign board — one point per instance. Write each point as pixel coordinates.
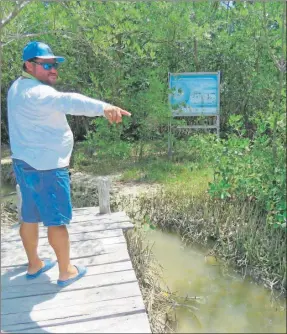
(194, 94)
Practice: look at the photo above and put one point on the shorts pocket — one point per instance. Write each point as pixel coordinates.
(62, 179)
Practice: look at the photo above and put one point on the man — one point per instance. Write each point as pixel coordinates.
(41, 144)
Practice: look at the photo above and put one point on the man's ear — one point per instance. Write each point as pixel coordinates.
(29, 66)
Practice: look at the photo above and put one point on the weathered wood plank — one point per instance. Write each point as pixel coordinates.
(52, 275)
(23, 307)
(131, 323)
(51, 287)
(76, 236)
(104, 185)
(85, 250)
(108, 218)
(100, 226)
(90, 217)
(86, 210)
(74, 228)
(84, 235)
(79, 313)
(16, 246)
(121, 255)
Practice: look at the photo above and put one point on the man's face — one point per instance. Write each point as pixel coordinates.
(38, 71)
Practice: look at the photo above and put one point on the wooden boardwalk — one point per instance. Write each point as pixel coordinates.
(106, 300)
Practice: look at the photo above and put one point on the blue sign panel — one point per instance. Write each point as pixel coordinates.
(194, 94)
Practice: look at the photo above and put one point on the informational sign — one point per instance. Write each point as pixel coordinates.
(194, 94)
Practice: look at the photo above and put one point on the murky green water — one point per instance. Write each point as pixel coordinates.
(227, 304)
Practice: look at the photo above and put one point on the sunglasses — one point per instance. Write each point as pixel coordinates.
(46, 66)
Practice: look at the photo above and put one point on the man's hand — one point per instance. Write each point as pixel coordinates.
(114, 114)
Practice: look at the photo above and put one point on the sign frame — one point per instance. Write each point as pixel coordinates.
(191, 74)
(176, 113)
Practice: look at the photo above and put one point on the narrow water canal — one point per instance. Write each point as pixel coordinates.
(226, 303)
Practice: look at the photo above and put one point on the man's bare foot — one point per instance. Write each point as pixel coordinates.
(70, 273)
(34, 267)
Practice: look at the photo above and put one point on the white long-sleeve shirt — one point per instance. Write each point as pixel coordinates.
(38, 129)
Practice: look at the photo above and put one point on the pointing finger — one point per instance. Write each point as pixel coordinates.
(126, 113)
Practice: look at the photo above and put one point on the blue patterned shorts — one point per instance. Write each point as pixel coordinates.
(46, 194)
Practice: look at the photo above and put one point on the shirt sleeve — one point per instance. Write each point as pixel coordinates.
(47, 98)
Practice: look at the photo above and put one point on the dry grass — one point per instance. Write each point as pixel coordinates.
(9, 216)
(158, 303)
(235, 232)
(5, 151)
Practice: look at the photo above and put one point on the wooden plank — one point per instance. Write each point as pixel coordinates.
(100, 225)
(74, 237)
(17, 246)
(52, 274)
(79, 313)
(96, 212)
(131, 323)
(86, 210)
(24, 306)
(112, 218)
(88, 281)
(104, 185)
(73, 228)
(121, 255)
(138, 323)
(86, 250)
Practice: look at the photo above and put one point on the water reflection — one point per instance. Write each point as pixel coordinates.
(227, 304)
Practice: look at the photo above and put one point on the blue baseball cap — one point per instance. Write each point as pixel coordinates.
(40, 50)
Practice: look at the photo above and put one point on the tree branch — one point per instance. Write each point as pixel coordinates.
(20, 36)
(280, 66)
(17, 9)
